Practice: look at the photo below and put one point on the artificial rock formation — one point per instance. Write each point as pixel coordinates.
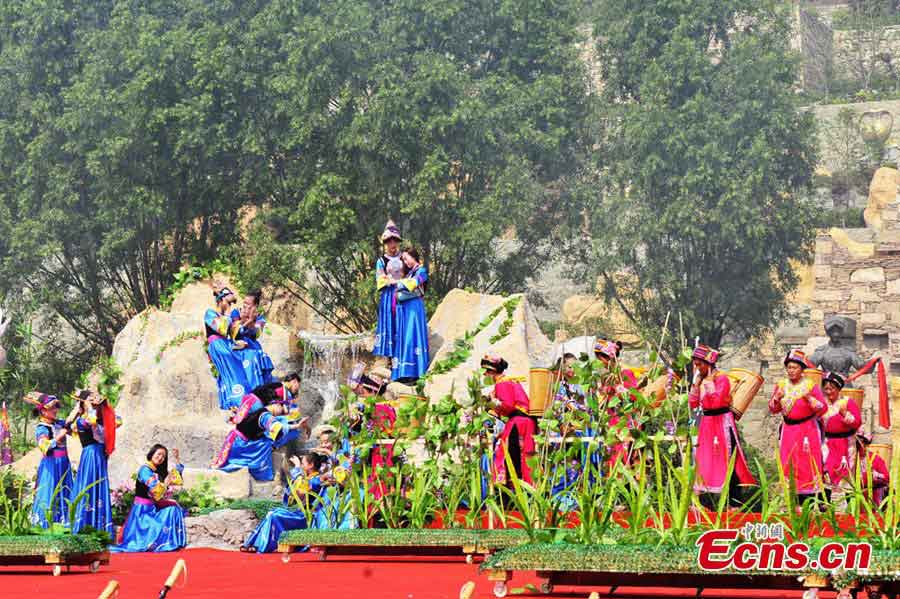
(524, 346)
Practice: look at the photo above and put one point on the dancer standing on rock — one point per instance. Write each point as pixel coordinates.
(411, 347)
(510, 402)
(53, 488)
(223, 346)
(799, 401)
(154, 522)
(388, 271)
(841, 420)
(718, 440)
(96, 425)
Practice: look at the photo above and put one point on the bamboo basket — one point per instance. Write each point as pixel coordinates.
(857, 395)
(815, 375)
(539, 382)
(745, 384)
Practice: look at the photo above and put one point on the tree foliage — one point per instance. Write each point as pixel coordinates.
(132, 134)
(701, 210)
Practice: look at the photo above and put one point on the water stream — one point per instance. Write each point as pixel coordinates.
(328, 360)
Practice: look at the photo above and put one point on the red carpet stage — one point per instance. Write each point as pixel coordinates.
(220, 574)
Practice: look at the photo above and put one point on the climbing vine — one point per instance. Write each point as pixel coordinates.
(190, 274)
(176, 341)
(510, 306)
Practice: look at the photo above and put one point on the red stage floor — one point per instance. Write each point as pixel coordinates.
(232, 574)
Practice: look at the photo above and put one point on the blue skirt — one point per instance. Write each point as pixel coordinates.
(93, 508)
(386, 328)
(277, 521)
(256, 456)
(411, 360)
(52, 491)
(258, 365)
(153, 528)
(232, 381)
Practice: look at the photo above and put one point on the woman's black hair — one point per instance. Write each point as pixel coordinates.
(412, 251)
(256, 294)
(162, 471)
(317, 459)
(293, 376)
(562, 360)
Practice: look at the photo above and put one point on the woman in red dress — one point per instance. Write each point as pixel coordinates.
(511, 403)
(799, 401)
(618, 383)
(717, 436)
(841, 420)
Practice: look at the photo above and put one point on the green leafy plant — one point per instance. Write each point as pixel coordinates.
(202, 496)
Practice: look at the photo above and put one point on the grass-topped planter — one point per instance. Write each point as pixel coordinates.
(56, 550)
(401, 541)
(621, 565)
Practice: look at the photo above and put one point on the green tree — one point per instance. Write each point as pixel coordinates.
(707, 158)
(460, 119)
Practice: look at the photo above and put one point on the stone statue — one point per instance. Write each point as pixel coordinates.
(839, 354)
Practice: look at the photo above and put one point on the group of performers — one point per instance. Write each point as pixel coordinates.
(820, 444)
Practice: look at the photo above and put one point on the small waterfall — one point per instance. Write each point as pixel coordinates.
(326, 364)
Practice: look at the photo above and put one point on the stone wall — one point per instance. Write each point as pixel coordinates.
(815, 40)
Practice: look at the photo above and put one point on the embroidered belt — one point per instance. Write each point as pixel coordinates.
(716, 412)
(801, 421)
(846, 435)
(144, 501)
(59, 453)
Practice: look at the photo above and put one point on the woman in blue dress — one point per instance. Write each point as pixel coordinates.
(411, 359)
(53, 489)
(154, 522)
(257, 431)
(306, 486)
(223, 349)
(96, 426)
(388, 270)
(258, 365)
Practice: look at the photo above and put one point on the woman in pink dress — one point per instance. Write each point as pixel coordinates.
(717, 437)
(511, 403)
(618, 383)
(840, 421)
(799, 401)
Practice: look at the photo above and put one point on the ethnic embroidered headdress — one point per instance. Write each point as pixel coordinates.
(864, 438)
(798, 357)
(222, 294)
(706, 353)
(833, 378)
(391, 231)
(494, 363)
(41, 401)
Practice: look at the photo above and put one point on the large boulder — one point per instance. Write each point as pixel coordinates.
(168, 391)
(882, 194)
(524, 346)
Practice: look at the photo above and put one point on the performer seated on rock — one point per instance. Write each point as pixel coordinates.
(224, 349)
(96, 423)
(53, 485)
(510, 403)
(616, 382)
(873, 471)
(250, 443)
(155, 523)
(275, 393)
(799, 401)
(718, 440)
(841, 420)
(303, 510)
(258, 365)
